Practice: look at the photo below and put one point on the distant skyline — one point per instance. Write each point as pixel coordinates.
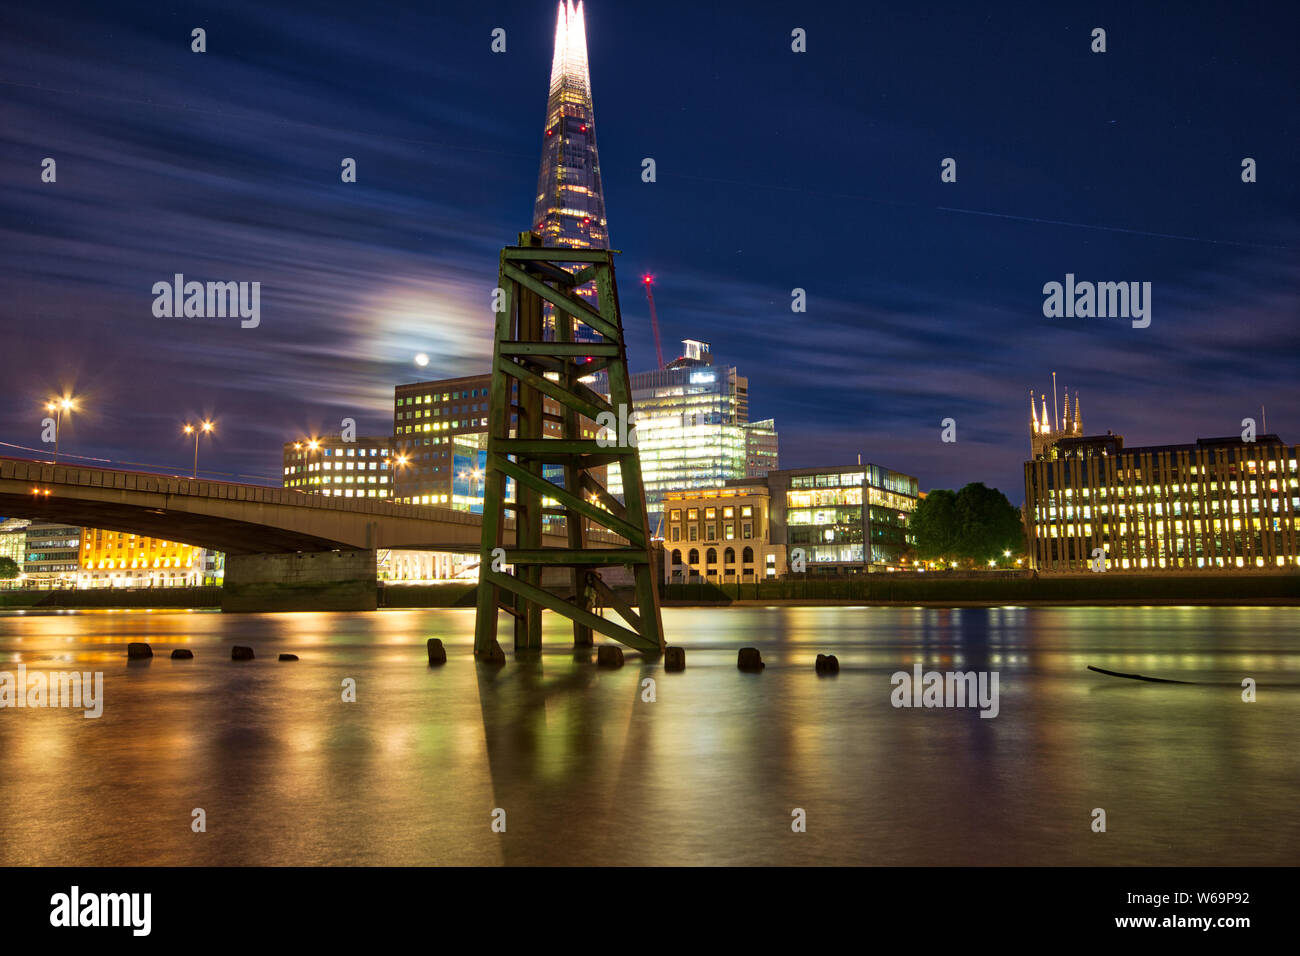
(775, 171)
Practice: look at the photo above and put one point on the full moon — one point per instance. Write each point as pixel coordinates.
(422, 360)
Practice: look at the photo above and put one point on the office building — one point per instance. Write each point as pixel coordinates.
(845, 520)
(440, 440)
(760, 448)
(720, 535)
(693, 429)
(52, 555)
(328, 465)
(13, 545)
(1217, 505)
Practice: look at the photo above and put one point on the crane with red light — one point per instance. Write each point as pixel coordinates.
(654, 318)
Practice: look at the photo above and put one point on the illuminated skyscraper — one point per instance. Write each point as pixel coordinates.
(570, 205)
(693, 429)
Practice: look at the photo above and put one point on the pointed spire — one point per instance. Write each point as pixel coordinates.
(1078, 426)
(1033, 413)
(1065, 419)
(1046, 422)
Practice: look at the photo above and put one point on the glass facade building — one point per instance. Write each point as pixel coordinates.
(53, 555)
(760, 448)
(693, 429)
(569, 209)
(13, 540)
(846, 520)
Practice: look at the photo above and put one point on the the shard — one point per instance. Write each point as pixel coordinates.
(570, 206)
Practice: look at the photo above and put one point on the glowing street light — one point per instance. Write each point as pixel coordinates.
(196, 431)
(58, 406)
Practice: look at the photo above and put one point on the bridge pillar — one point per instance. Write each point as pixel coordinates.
(301, 581)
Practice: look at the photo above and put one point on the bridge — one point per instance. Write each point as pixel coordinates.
(279, 543)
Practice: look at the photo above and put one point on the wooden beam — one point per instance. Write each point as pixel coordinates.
(566, 557)
(557, 349)
(554, 603)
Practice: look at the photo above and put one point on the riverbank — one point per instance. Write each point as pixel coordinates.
(68, 598)
(885, 590)
(971, 591)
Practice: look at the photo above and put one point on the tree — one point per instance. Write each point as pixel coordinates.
(9, 569)
(934, 525)
(989, 523)
(972, 526)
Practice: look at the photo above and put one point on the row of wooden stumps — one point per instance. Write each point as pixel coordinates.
(140, 651)
(751, 661)
(607, 655)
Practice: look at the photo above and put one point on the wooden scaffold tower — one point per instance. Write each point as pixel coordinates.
(530, 361)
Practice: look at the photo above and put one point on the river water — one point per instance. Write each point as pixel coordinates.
(710, 772)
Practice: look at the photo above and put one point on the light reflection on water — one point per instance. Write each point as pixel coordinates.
(709, 773)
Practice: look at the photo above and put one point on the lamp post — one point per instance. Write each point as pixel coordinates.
(196, 431)
(58, 406)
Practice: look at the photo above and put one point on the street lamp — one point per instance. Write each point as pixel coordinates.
(58, 406)
(196, 431)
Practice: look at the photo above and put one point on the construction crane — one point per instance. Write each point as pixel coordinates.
(654, 318)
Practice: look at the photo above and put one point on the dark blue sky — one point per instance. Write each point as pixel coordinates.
(776, 170)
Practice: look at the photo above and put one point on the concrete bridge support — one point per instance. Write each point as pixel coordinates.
(300, 581)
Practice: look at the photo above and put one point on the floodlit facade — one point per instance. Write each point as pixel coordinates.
(344, 469)
(720, 535)
(121, 560)
(1219, 504)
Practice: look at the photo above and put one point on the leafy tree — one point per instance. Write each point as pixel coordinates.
(970, 526)
(989, 524)
(8, 569)
(934, 525)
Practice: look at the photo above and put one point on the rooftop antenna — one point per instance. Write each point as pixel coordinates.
(1263, 420)
(1056, 417)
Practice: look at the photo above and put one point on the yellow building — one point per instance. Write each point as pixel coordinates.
(720, 535)
(1220, 504)
(116, 559)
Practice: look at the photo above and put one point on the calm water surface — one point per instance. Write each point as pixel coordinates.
(709, 773)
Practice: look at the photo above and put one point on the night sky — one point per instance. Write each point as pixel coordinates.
(776, 170)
